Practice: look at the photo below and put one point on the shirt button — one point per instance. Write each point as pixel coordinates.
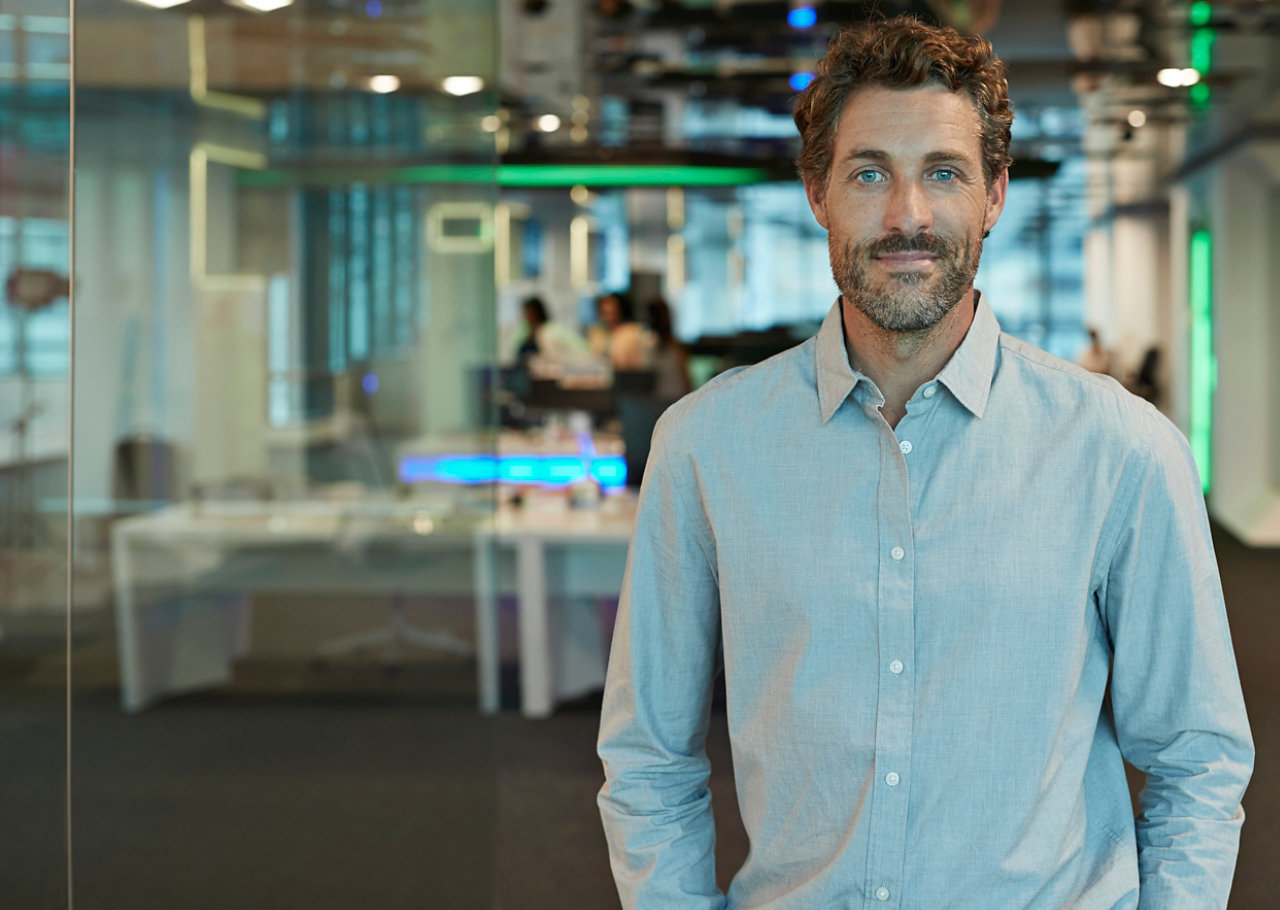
(892, 778)
(930, 391)
(882, 893)
(895, 667)
(897, 552)
(905, 446)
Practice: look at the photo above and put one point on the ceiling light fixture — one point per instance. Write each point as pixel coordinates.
(1137, 119)
(548, 123)
(261, 6)
(1172, 77)
(161, 4)
(462, 85)
(383, 84)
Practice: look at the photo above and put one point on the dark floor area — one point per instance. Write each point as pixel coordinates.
(392, 798)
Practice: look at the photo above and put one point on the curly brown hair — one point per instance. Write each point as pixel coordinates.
(902, 52)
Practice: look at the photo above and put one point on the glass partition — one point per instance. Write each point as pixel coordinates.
(285, 275)
(34, 361)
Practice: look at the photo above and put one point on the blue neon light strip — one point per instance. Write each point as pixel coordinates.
(544, 470)
(802, 17)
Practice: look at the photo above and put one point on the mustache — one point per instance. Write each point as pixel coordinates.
(923, 242)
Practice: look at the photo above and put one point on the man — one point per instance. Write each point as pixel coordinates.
(922, 552)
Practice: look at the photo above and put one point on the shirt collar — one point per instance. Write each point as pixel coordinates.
(968, 374)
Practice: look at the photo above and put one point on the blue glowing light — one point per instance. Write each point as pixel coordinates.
(373, 9)
(369, 383)
(802, 17)
(800, 81)
(544, 470)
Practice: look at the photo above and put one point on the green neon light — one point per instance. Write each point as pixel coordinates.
(1200, 12)
(1201, 51)
(628, 175)
(1201, 60)
(515, 175)
(1203, 364)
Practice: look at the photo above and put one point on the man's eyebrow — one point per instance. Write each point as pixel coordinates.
(948, 156)
(870, 154)
(941, 156)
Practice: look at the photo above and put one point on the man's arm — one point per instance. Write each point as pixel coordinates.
(1179, 711)
(655, 802)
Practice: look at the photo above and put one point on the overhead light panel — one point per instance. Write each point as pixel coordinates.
(1173, 77)
(548, 123)
(161, 4)
(383, 84)
(1137, 118)
(462, 85)
(261, 6)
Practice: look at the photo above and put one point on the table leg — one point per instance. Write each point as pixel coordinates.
(535, 639)
(128, 631)
(487, 664)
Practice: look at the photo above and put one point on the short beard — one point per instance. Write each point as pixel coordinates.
(914, 302)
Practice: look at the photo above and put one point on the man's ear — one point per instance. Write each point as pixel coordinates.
(996, 195)
(816, 201)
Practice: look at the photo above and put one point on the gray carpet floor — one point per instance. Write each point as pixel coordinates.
(400, 796)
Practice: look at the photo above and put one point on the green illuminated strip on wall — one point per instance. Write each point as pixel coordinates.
(1200, 52)
(515, 175)
(1203, 366)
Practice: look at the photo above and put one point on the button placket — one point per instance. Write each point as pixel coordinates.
(895, 705)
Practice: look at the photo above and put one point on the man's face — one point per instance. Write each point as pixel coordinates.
(906, 204)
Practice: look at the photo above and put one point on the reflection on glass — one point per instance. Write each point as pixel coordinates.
(34, 360)
(286, 630)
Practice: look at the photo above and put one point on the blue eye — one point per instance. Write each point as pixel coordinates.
(944, 175)
(868, 177)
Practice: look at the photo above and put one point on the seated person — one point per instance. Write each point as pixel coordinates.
(543, 337)
(669, 359)
(617, 337)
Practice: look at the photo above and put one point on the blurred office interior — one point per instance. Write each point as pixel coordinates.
(308, 561)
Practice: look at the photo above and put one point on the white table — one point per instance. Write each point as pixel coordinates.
(182, 644)
(556, 654)
(257, 546)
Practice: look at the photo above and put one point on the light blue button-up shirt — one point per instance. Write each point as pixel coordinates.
(917, 629)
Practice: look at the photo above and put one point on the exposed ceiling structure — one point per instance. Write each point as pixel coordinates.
(655, 78)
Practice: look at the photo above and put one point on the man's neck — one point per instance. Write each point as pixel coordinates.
(900, 362)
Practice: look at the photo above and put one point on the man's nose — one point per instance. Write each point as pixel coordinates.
(908, 211)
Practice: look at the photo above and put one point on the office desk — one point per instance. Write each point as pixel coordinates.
(225, 550)
(575, 553)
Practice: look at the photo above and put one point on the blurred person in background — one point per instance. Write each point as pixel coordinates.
(546, 339)
(668, 358)
(952, 581)
(1095, 357)
(617, 337)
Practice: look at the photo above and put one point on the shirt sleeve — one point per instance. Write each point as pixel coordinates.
(1175, 690)
(655, 802)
